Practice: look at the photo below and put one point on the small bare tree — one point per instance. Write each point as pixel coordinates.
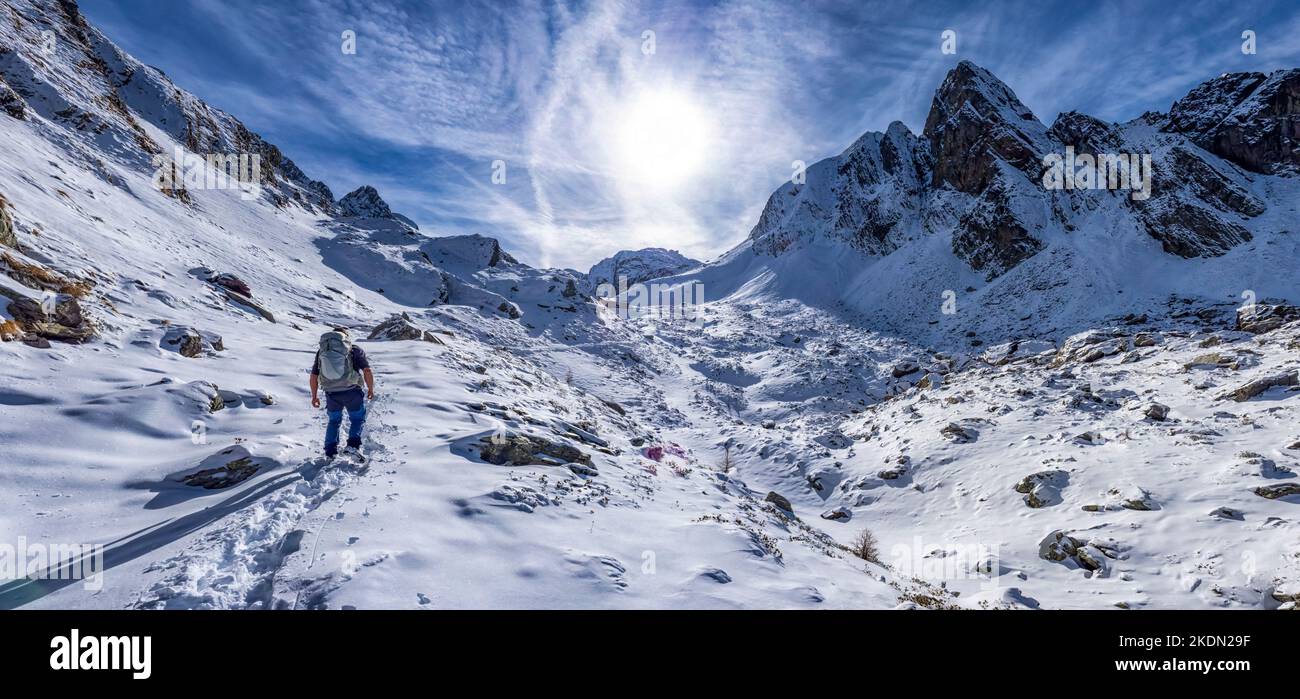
(865, 546)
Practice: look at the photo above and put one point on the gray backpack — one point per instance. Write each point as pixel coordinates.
(335, 363)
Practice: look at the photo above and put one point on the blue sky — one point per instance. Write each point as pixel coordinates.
(608, 146)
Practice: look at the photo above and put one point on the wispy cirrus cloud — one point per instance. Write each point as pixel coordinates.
(437, 92)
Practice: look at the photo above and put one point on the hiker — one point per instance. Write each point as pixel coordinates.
(339, 369)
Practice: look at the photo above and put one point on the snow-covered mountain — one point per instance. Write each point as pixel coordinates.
(636, 266)
(365, 202)
(898, 223)
(78, 87)
(1029, 398)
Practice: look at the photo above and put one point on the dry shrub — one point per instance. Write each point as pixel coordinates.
(865, 546)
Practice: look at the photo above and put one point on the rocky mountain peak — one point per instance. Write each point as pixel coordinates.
(364, 202)
(975, 121)
(969, 85)
(976, 171)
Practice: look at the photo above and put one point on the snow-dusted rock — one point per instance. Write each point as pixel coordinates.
(189, 342)
(1043, 488)
(1261, 318)
(1254, 388)
(636, 266)
(364, 202)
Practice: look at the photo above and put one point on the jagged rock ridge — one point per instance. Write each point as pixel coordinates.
(975, 174)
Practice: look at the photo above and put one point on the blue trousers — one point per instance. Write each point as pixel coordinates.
(354, 401)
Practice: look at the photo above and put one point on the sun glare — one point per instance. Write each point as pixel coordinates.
(662, 139)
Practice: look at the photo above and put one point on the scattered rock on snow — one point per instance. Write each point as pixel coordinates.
(1157, 412)
(1147, 339)
(400, 328)
(238, 467)
(58, 318)
(396, 328)
(522, 450)
(958, 433)
(190, 342)
(1091, 558)
(905, 367)
(1258, 386)
(509, 309)
(931, 380)
(1282, 490)
(1090, 438)
(8, 237)
(521, 497)
(838, 514)
(242, 300)
(717, 575)
(1288, 593)
(1260, 318)
(1227, 513)
(1090, 555)
(1211, 360)
(233, 283)
(1043, 488)
(779, 500)
(1058, 546)
(891, 474)
(1134, 499)
(11, 103)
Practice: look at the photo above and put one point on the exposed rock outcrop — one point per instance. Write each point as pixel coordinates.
(526, 449)
(1260, 318)
(58, 317)
(8, 236)
(399, 327)
(1250, 119)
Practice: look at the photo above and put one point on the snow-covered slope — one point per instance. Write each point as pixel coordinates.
(528, 451)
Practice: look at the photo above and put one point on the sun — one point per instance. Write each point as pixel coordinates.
(661, 139)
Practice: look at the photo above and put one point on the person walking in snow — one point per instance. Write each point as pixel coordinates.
(339, 369)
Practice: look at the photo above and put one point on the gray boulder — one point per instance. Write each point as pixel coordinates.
(524, 450)
(780, 501)
(58, 318)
